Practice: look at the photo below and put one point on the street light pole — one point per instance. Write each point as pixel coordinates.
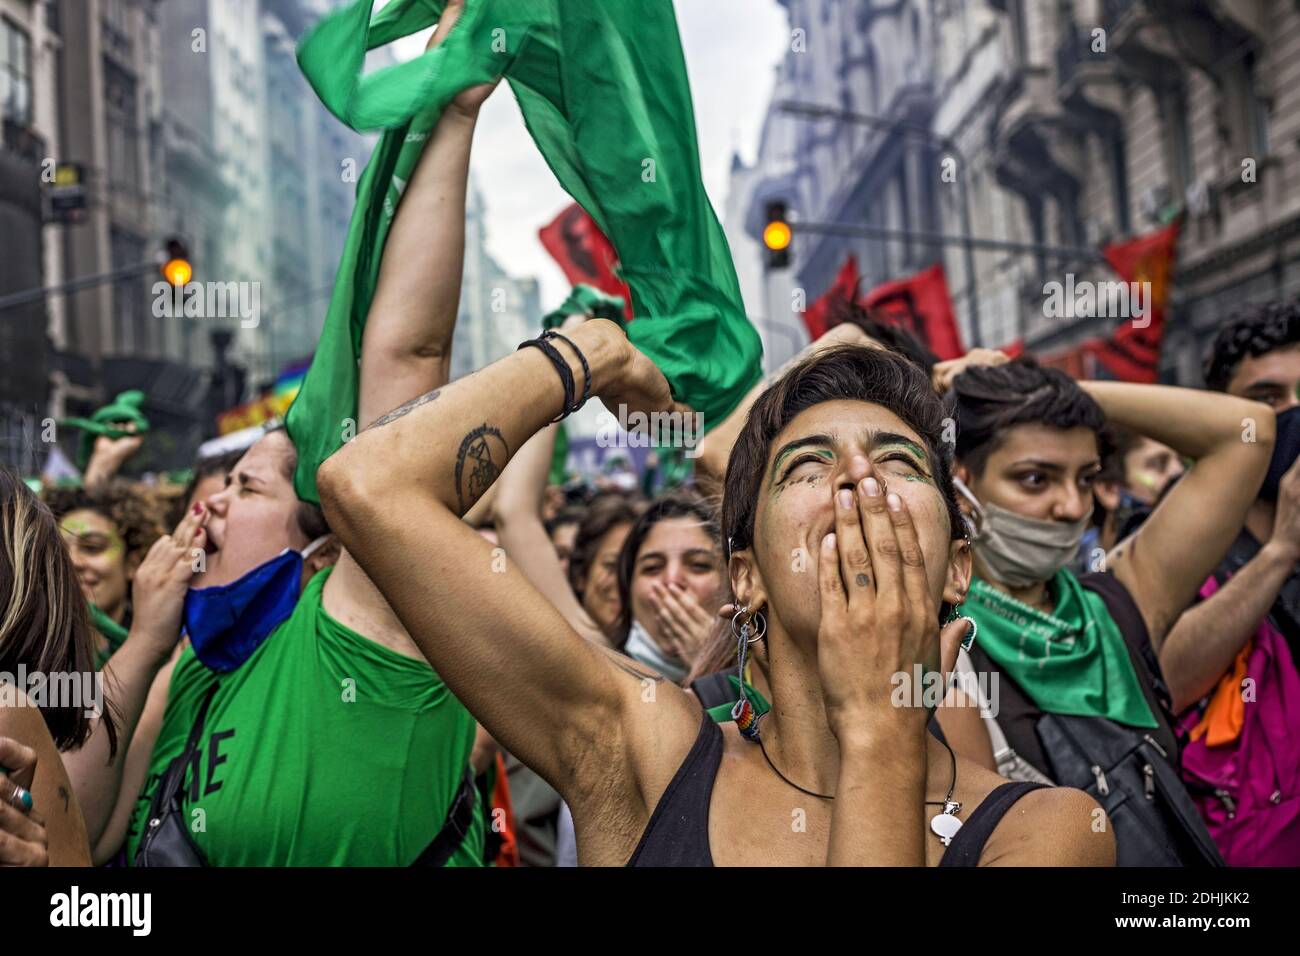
(813, 111)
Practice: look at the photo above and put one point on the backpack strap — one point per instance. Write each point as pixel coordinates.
(460, 816)
(713, 690)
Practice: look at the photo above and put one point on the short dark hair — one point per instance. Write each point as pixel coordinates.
(606, 511)
(679, 503)
(992, 399)
(1251, 331)
(205, 468)
(889, 335)
(1114, 444)
(847, 372)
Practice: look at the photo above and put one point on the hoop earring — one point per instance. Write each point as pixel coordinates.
(739, 632)
(743, 711)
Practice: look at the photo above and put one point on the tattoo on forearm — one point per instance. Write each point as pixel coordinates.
(403, 409)
(482, 455)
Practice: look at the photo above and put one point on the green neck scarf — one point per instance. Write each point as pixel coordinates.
(113, 632)
(1072, 661)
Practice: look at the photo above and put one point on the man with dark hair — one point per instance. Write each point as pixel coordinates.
(1255, 354)
(1245, 631)
(1135, 471)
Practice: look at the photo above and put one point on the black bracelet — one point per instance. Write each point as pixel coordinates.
(561, 366)
(586, 369)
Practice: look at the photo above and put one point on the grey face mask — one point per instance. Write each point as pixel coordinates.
(1019, 551)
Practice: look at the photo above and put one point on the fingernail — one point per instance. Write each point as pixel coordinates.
(198, 508)
(845, 498)
(871, 487)
(830, 540)
(895, 503)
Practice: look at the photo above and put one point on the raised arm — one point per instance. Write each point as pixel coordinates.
(395, 495)
(1167, 560)
(1202, 644)
(157, 596)
(406, 346)
(518, 514)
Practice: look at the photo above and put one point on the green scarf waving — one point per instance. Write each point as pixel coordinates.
(1072, 661)
(603, 90)
(124, 409)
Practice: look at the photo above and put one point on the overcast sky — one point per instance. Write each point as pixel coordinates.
(732, 49)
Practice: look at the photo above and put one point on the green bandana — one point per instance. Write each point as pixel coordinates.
(124, 408)
(721, 714)
(113, 632)
(1072, 661)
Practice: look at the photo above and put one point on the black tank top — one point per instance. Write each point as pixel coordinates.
(678, 831)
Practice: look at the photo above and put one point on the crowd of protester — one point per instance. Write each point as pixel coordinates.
(446, 668)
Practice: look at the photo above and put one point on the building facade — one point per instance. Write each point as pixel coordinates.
(185, 119)
(29, 135)
(1056, 125)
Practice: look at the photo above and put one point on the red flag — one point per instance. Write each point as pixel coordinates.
(920, 305)
(845, 287)
(575, 241)
(1132, 353)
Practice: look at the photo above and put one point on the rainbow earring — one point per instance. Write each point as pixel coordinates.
(743, 711)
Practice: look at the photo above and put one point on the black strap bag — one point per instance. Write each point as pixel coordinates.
(1154, 819)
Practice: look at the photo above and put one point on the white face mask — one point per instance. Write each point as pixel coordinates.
(1019, 551)
(641, 647)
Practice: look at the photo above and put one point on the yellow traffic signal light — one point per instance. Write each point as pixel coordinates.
(177, 268)
(776, 236)
(177, 271)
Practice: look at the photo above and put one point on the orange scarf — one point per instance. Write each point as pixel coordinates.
(1226, 714)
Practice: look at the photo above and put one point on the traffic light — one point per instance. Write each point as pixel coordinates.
(176, 267)
(776, 236)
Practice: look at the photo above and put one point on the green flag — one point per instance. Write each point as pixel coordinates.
(603, 89)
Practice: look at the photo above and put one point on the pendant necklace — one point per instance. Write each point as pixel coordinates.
(944, 824)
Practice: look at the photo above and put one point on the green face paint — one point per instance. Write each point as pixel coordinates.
(921, 462)
(825, 454)
(91, 539)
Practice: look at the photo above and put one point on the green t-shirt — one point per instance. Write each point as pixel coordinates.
(323, 749)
